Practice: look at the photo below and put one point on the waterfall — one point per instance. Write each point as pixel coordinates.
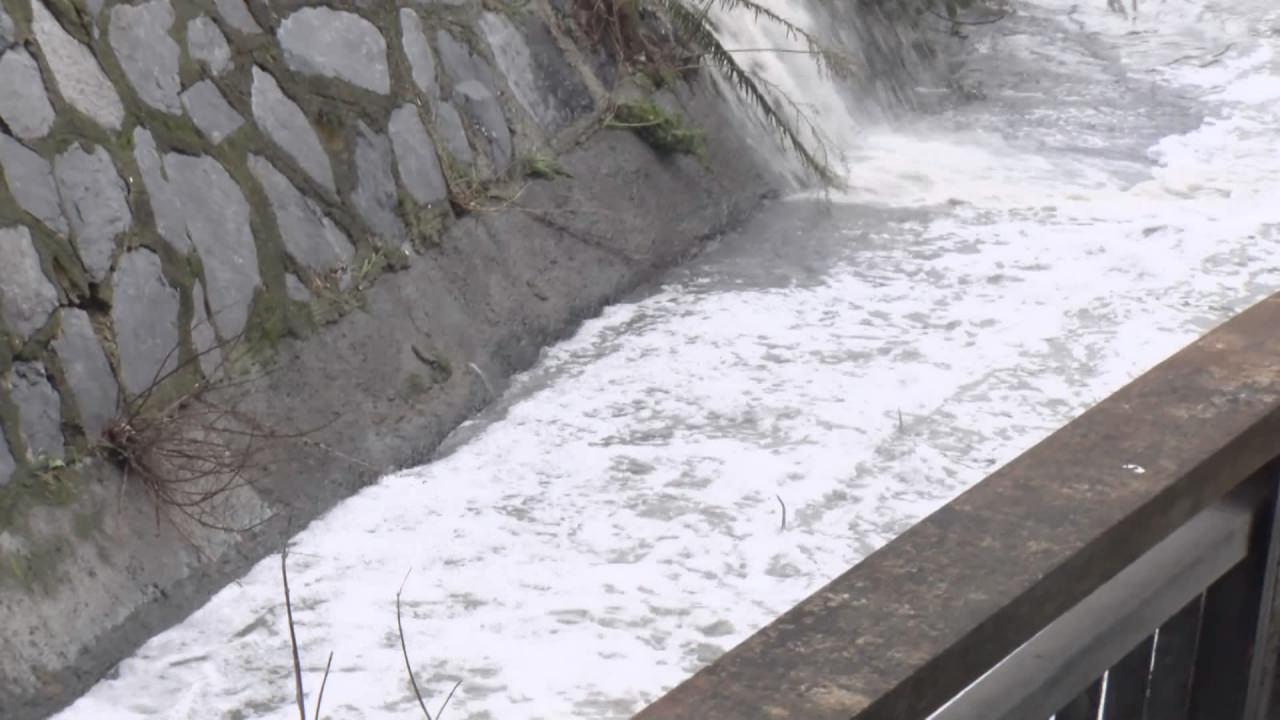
(828, 111)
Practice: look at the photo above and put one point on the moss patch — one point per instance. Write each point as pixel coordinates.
(659, 129)
(542, 166)
(36, 487)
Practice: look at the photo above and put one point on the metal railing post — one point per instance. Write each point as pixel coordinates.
(1260, 703)
(1236, 654)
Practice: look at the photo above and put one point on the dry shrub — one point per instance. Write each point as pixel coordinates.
(190, 444)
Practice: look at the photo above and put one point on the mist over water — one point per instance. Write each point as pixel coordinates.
(1101, 192)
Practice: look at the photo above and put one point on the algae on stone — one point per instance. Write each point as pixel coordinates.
(660, 130)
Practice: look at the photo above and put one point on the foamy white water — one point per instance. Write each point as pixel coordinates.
(993, 270)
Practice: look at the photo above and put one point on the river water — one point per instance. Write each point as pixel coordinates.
(1108, 190)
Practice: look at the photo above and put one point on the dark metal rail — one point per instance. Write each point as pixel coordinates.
(1173, 634)
(1123, 569)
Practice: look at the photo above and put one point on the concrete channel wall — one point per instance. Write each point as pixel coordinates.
(366, 213)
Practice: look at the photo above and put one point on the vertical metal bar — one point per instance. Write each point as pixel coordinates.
(1226, 639)
(1231, 625)
(1085, 706)
(1267, 638)
(1127, 684)
(1273, 710)
(1169, 697)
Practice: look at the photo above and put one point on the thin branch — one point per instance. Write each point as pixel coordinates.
(957, 21)
(779, 50)
(293, 637)
(827, 59)
(784, 512)
(323, 681)
(404, 648)
(752, 86)
(445, 704)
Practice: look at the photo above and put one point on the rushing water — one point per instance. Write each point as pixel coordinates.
(1110, 191)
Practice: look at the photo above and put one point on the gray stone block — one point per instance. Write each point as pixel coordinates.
(309, 236)
(207, 44)
(295, 289)
(210, 111)
(416, 156)
(459, 62)
(8, 31)
(375, 193)
(539, 77)
(165, 207)
(24, 101)
(27, 298)
(217, 221)
(285, 123)
(87, 372)
(237, 15)
(144, 310)
(30, 180)
(422, 63)
(336, 44)
(474, 91)
(39, 409)
(95, 201)
(203, 335)
(139, 35)
(94, 7)
(480, 104)
(452, 134)
(75, 70)
(7, 465)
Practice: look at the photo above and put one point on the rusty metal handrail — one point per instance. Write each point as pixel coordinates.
(913, 625)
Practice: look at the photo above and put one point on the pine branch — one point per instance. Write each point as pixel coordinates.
(697, 26)
(828, 59)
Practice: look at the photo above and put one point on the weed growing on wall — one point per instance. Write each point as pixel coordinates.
(190, 443)
(659, 129)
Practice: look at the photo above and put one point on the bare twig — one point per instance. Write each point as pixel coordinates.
(784, 511)
(957, 21)
(445, 704)
(293, 637)
(1211, 59)
(404, 649)
(323, 681)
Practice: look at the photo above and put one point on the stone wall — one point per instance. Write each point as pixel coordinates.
(352, 194)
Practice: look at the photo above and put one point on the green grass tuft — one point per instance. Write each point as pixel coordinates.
(662, 131)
